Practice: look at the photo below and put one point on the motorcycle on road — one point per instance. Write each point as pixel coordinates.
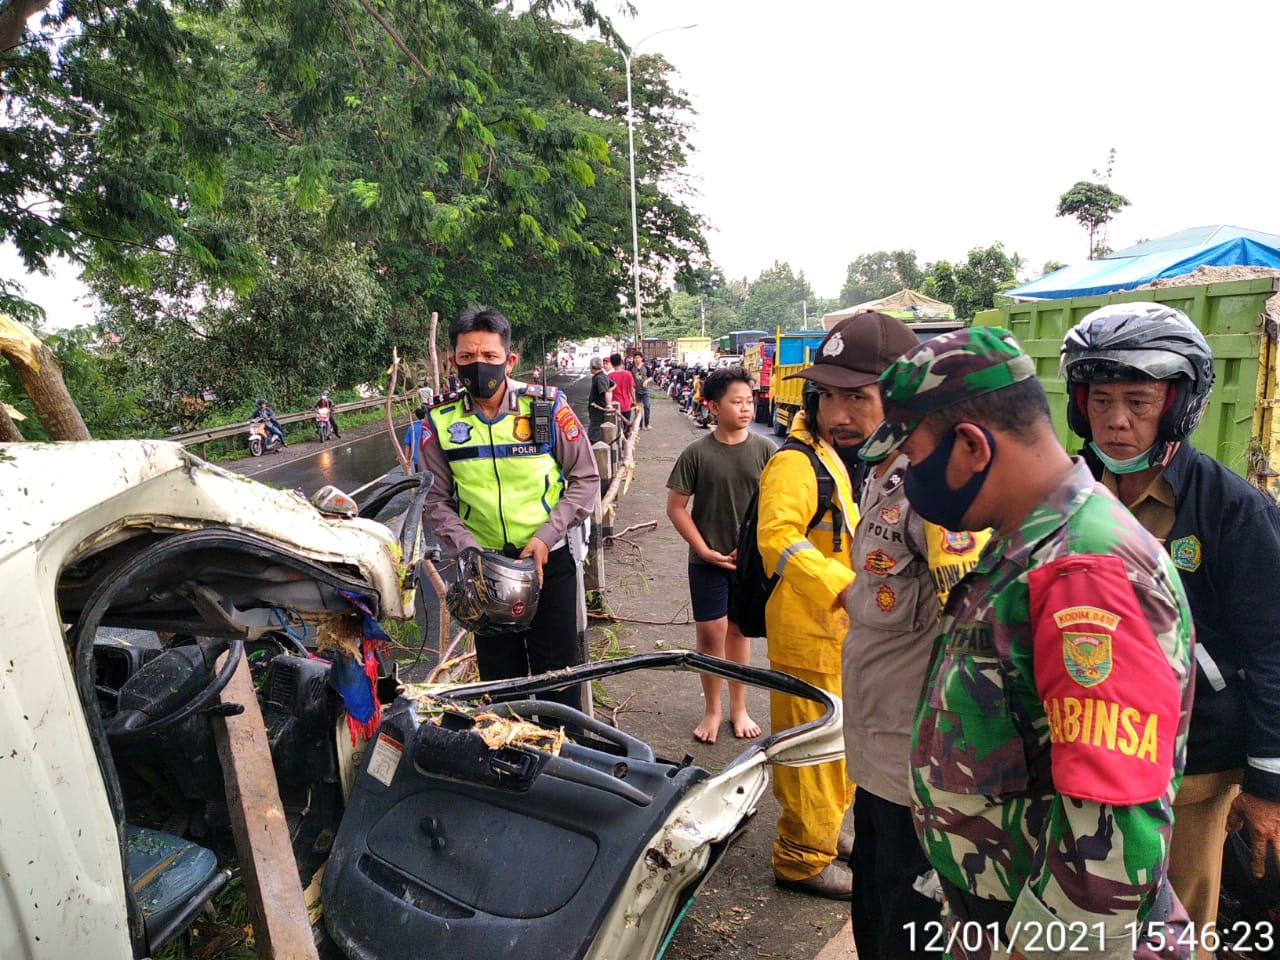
(702, 414)
(324, 428)
(262, 440)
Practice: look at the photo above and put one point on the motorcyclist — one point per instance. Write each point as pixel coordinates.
(695, 392)
(324, 403)
(263, 413)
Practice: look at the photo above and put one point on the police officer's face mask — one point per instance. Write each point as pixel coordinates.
(930, 495)
(482, 379)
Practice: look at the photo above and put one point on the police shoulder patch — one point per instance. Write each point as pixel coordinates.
(1187, 553)
(568, 423)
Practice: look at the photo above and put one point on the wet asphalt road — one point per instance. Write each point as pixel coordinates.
(365, 455)
(362, 458)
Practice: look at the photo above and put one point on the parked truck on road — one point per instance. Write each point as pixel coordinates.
(1240, 319)
(691, 350)
(793, 353)
(757, 360)
(735, 342)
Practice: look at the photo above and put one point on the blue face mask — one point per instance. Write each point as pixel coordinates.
(926, 485)
(1132, 465)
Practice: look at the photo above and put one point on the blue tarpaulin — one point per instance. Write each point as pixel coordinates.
(1107, 276)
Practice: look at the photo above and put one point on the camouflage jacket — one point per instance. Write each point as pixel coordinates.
(1051, 736)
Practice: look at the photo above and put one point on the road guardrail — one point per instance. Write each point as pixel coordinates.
(198, 438)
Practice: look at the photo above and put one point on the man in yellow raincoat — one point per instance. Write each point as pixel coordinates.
(805, 620)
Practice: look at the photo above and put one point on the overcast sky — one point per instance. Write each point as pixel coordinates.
(831, 128)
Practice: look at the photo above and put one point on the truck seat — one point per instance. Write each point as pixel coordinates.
(172, 879)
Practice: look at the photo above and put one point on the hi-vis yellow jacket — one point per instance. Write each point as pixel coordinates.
(804, 625)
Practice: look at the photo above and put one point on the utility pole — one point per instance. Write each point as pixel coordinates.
(703, 305)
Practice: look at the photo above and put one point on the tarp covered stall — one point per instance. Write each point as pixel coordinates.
(905, 305)
(1108, 276)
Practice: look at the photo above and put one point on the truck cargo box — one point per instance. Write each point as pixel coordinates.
(1240, 426)
(792, 346)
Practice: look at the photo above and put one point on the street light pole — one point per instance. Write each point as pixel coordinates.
(631, 159)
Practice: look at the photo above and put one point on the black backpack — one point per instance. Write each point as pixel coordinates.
(749, 588)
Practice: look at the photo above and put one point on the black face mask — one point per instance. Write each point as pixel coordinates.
(932, 497)
(856, 466)
(482, 380)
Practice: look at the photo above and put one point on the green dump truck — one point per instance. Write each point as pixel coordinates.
(1240, 319)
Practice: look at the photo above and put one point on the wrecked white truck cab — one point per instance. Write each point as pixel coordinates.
(137, 578)
(138, 535)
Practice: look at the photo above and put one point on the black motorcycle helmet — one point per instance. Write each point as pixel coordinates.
(1139, 341)
(809, 403)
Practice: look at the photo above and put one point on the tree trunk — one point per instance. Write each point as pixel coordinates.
(9, 432)
(41, 376)
(13, 20)
(435, 357)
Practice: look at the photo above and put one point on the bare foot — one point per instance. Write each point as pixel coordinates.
(705, 732)
(744, 728)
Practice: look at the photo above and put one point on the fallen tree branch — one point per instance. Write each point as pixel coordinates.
(40, 373)
(405, 464)
(610, 618)
(622, 706)
(433, 677)
(447, 655)
(639, 551)
(635, 526)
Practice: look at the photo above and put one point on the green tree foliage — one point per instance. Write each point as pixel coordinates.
(316, 178)
(316, 318)
(88, 78)
(778, 297)
(1094, 204)
(972, 285)
(875, 275)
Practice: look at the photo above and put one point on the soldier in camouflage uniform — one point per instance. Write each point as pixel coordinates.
(1050, 737)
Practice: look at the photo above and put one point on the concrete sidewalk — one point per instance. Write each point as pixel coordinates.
(740, 913)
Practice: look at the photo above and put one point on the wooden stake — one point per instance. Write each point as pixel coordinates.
(281, 929)
(435, 359)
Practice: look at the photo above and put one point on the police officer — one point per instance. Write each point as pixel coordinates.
(905, 566)
(504, 485)
(805, 617)
(1138, 378)
(1050, 735)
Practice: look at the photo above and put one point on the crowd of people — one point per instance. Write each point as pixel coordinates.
(1060, 675)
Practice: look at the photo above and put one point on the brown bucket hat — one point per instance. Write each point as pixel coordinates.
(857, 350)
